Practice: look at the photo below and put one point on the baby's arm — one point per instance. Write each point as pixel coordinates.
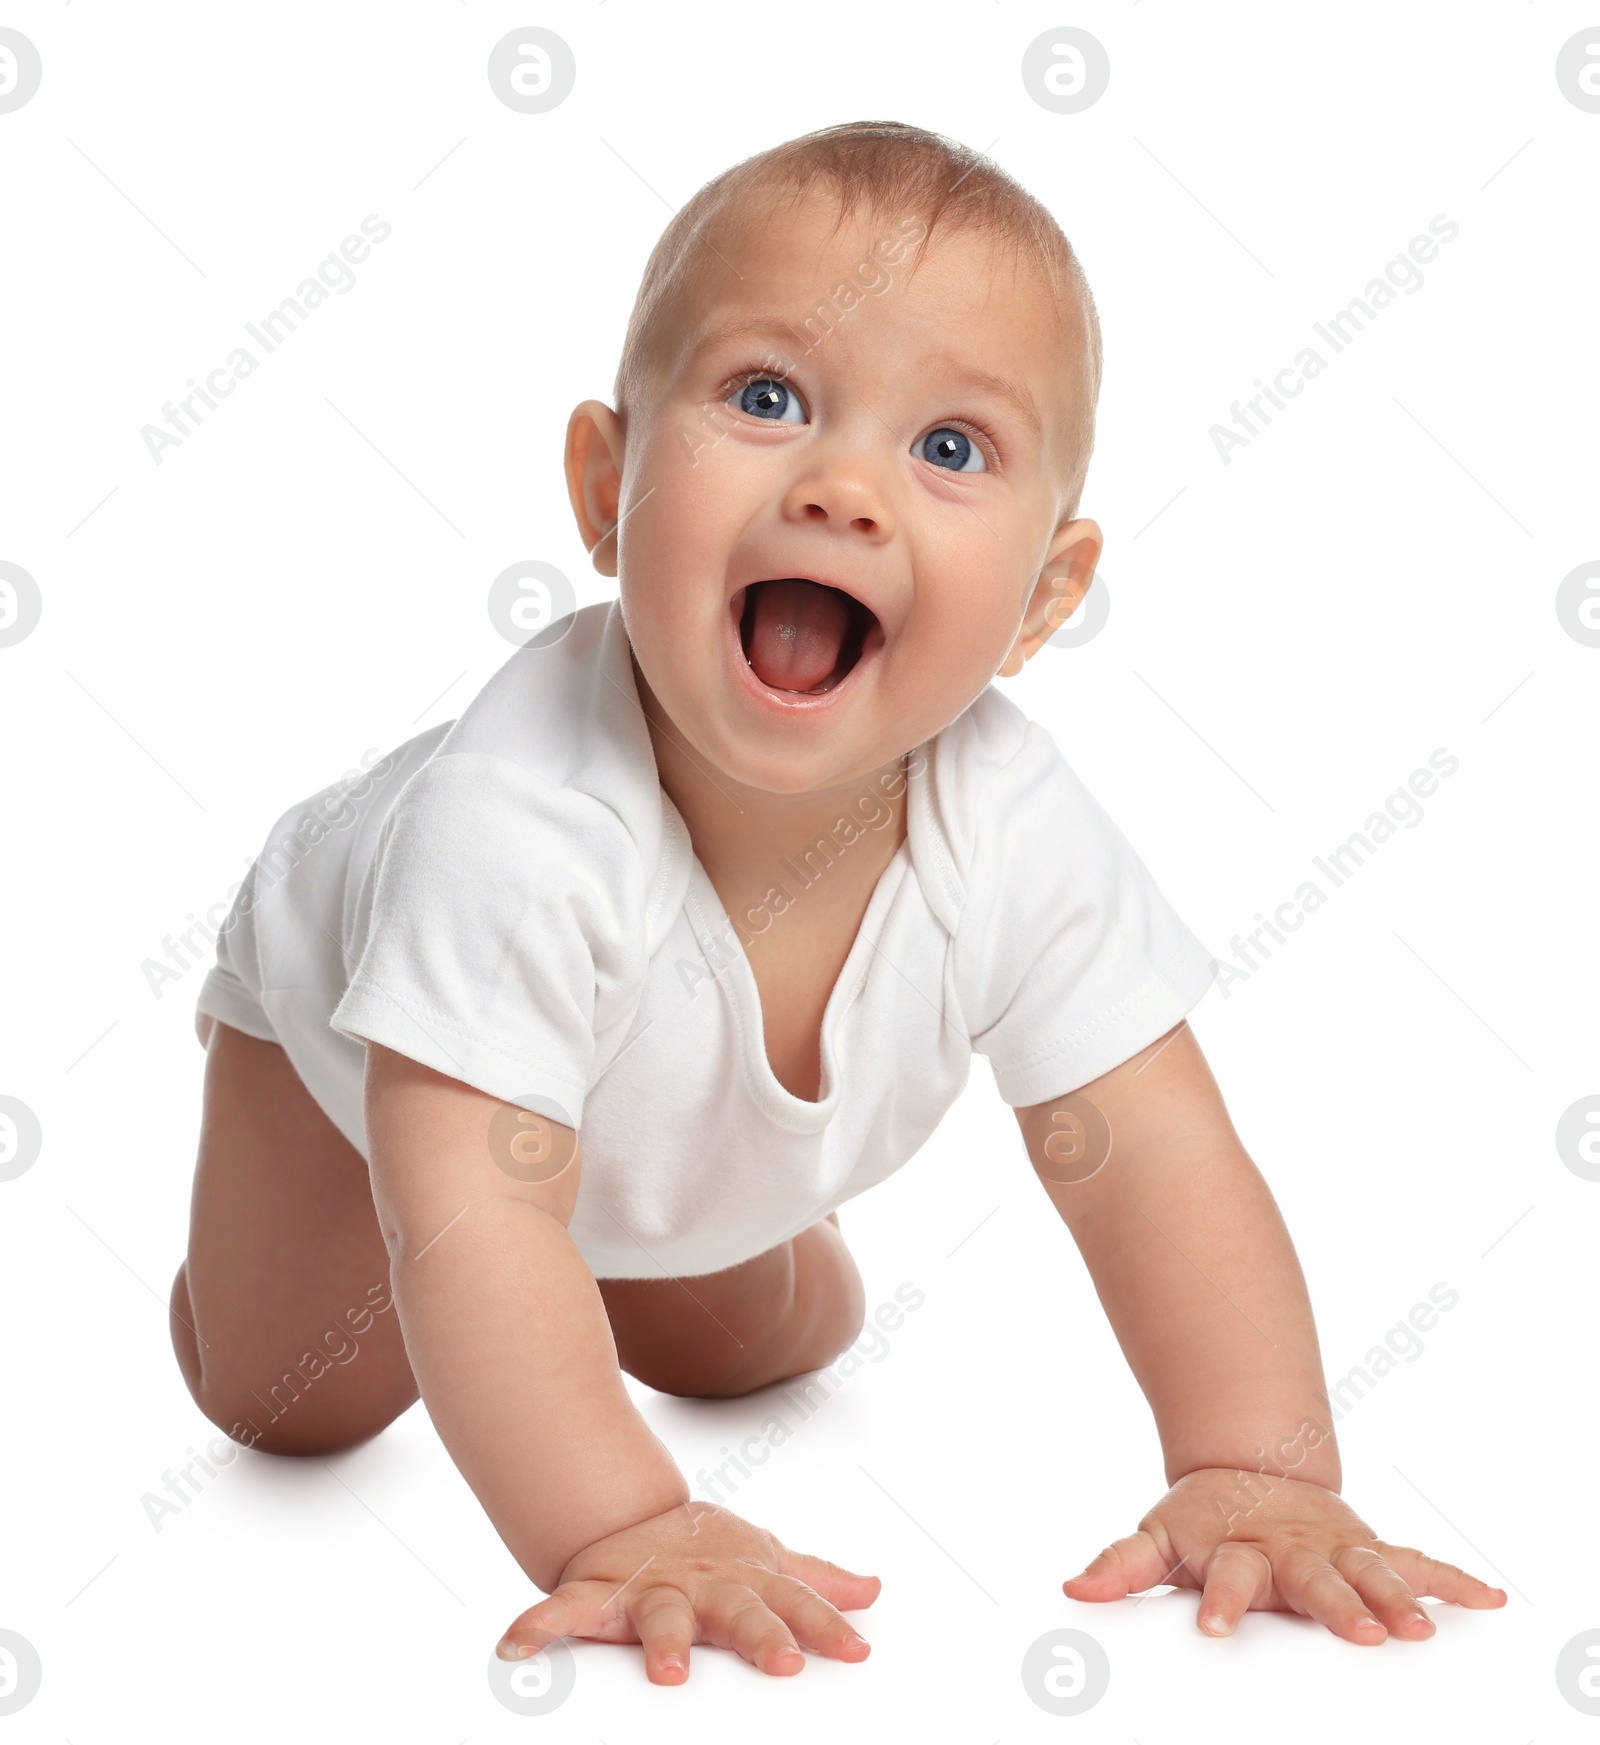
(512, 1350)
(504, 1325)
(1192, 1263)
(1199, 1279)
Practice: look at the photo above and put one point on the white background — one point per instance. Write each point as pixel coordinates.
(1292, 634)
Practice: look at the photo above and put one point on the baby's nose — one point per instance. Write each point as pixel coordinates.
(843, 496)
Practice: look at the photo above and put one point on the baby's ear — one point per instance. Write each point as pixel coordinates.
(1063, 581)
(594, 479)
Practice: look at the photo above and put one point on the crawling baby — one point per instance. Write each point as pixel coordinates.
(557, 1059)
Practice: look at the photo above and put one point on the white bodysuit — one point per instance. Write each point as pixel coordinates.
(514, 901)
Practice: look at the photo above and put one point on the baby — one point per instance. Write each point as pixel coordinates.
(570, 1036)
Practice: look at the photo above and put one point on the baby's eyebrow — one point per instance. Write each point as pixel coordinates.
(746, 327)
(1014, 394)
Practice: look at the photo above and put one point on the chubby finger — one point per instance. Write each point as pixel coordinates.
(663, 1620)
(1426, 1575)
(1235, 1578)
(815, 1623)
(1311, 1584)
(1389, 1598)
(576, 1608)
(1126, 1566)
(838, 1586)
(735, 1616)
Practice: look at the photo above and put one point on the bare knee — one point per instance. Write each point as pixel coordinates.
(180, 1323)
(701, 1375)
(698, 1367)
(269, 1426)
(186, 1344)
(787, 1312)
(827, 1309)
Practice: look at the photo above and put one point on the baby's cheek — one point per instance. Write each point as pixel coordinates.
(693, 521)
(978, 614)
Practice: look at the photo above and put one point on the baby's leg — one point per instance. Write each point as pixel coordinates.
(270, 1311)
(716, 1335)
(281, 1314)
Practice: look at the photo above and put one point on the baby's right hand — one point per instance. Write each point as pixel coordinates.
(699, 1574)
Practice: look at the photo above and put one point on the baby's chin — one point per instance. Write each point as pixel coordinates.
(746, 759)
(790, 760)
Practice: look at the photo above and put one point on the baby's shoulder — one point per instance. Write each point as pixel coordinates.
(494, 818)
(986, 771)
(543, 796)
(1010, 828)
(556, 726)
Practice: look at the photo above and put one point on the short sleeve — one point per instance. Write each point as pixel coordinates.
(497, 932)
(1069, 959)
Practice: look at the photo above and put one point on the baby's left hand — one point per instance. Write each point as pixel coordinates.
(1299, 1549)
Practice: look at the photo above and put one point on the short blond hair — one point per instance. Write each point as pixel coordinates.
(893, 169)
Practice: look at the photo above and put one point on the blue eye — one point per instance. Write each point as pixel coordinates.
(766, 397)
(951, 449)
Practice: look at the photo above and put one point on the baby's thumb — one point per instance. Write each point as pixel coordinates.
(574, 1606)
(1127, 1566)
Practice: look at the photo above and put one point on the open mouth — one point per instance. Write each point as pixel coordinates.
(802, 637)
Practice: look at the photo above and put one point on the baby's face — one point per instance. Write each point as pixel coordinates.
(833, 525)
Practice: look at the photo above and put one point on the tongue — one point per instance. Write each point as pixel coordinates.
(796, 633)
